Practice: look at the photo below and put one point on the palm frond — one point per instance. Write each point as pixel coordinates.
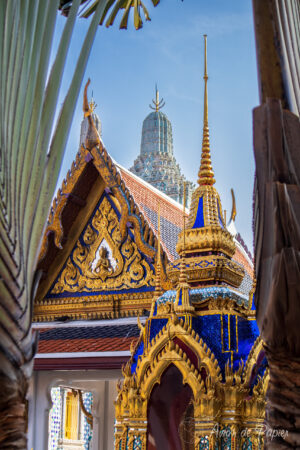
(28, 174)
(29, 165)
(116, 6)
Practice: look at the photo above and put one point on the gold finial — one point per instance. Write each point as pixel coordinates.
(182, 294)
(92, 137)
(92, 104)
(183, 276)
(206, 174)
(233, 209)
(184, 202)
(158, 289)
(158, 104)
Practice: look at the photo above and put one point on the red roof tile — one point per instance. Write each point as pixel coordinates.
(85, 345)
(147, 198)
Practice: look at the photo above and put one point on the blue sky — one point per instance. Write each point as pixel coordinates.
(124, 66)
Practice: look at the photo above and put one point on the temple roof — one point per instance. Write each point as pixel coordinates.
(94, 176)
(100, 243)
(70, 345)
(87, 338)
(79, 194)
(147, 197)
(81, 178)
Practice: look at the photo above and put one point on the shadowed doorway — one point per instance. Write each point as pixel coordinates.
(171, 414)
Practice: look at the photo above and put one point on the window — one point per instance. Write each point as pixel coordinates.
(70, 419)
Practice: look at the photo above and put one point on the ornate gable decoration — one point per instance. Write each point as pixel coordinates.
(109, 272)
(101, 260)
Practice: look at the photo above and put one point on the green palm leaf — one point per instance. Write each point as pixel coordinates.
(29, 165)
(28, 174)
(118, 5)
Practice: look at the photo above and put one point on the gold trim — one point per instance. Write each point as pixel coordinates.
(207, 268)
(73, 235)
(92, 307)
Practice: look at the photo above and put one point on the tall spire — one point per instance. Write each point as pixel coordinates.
(206, 246)
(158, 104)
(205, 174)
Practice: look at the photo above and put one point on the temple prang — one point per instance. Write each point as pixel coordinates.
(156, 162)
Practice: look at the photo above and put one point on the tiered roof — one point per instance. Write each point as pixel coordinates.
(92, 177)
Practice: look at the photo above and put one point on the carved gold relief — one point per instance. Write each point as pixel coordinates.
(218, 403)
(54, 223)
(144, 235)
(210, 267)
(89, 267)
(211, 206)
(212, 238)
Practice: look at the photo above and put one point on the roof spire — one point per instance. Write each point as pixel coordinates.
(182, 301)
(183, 276)
(158, 104)
(205, 174)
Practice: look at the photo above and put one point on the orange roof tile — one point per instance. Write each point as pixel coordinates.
(85, 345)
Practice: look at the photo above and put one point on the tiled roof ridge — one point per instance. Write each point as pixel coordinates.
(151, 187)
(130, 209)
(146, 234)
(88, 323)
(242, 243)
(87, 353)
(87, 332)
(85, 345)
(167, 251)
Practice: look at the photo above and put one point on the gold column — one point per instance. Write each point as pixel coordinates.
(206, 408)
(71, 419)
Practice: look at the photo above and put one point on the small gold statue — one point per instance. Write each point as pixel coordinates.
(103, 265)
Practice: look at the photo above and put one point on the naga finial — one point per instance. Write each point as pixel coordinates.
(206, 173)
(158, 104)
(86, 108)
(233, 209)
(92, 137)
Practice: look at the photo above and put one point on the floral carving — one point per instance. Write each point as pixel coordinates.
(89, 267)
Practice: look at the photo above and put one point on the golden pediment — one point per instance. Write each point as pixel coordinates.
(101, 260)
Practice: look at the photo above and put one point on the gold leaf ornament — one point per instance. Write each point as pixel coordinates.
(89, 267)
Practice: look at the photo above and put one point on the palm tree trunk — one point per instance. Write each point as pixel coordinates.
(277, 212)
(277, 251)
(12, 410)
(283, 406)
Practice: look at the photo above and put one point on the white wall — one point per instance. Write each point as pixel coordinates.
(102, 383)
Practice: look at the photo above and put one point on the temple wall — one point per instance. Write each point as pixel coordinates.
(102, 383)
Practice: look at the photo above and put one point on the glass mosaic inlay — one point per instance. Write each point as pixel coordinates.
(55, 418)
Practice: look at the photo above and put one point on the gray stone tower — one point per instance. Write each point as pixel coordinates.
(156, 163)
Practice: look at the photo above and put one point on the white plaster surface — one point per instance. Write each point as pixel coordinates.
(102, 383)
